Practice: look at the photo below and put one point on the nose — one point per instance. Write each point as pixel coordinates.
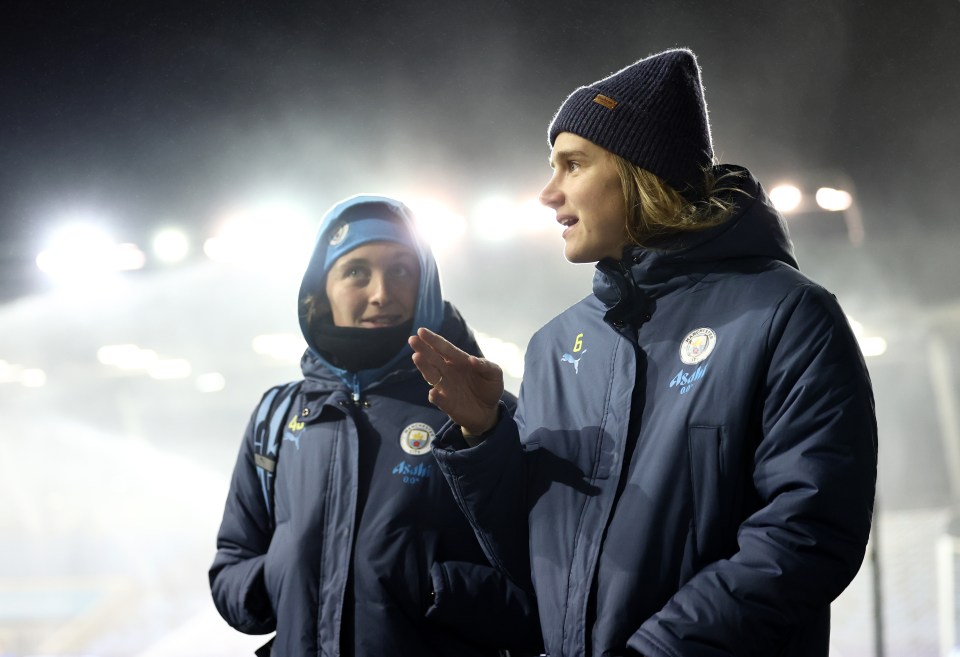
(550, 195)
(379, 290)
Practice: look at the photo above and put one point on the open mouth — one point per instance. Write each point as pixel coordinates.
(568, 222)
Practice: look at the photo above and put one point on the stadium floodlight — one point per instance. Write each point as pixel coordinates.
(505, 354)
(834, 200)
(28, 377)
(132, 358)
(498, 218)
(33, 377)
(170, 368)
(495, 219)
(9, 372)
(171, 245)
(266, 235)
(873, 346)
(870, 345)
(441, 226)
(211, 382)
(535, 217)
(786, 198)
(81, 251)
(285, 347)
(127, 357)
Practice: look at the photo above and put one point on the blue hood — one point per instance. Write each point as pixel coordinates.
(429, 309)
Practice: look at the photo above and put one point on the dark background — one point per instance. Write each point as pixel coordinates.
(142, 112)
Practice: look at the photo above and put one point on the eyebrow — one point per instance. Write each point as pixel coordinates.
(355, 261)
(350, 262)
(564, 155)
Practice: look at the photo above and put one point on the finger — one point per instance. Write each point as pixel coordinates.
(419, 346)
(442, 346)
(438, 399)
(426, 358)
(430, 366)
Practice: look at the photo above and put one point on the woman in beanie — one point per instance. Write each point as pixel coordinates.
(361, 550)
(692, 464)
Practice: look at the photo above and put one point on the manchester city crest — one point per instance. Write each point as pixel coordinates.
(417, 438)
(697, 345)
(339, 234)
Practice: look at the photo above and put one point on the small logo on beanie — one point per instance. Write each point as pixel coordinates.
(339, 234)
(606, 101)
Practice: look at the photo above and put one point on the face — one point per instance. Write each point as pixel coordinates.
(374, 286)
(586, 193)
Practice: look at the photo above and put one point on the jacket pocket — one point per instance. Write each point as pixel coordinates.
(710, 494)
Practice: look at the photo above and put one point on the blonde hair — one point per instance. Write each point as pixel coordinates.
(655, 209)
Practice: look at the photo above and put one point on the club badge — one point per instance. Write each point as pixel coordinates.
(697, 345)
(340, 233)
(417, 438)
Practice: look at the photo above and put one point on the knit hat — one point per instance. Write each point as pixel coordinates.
(651, 113)
(347, 235)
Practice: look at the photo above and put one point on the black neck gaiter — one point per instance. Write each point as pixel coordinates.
(354, 349)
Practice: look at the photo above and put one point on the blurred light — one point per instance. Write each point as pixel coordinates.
(29, 377)
(129, 257)
(170, 368)
(833, 200)
(498, 218)
(211, 382)
(9, 373)
(870, 346)
(494, 219)
(505, 354)
(286, 347)
(536, 217)
(131, 358)
(171, 245)
(78, 252)
(785, 198)
(33, 378)
(873, 346)
(438, 224)
(269, 235)
(127, 356)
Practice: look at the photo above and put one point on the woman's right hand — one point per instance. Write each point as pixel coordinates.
(465, 387)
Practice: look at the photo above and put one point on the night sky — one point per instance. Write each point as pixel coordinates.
(142, 113)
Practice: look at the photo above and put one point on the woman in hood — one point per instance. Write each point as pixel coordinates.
(347, 541)
(695, 442)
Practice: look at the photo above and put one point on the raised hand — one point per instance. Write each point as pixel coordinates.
(465, 387)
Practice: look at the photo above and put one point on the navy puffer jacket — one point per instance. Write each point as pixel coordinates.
(370, 554)
(696, 444)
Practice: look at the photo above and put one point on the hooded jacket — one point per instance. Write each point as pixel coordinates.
(696, 444)
(370, 554)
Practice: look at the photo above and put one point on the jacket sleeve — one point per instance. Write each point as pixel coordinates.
(236, 576)
(483, 605)
(487, 482)
(814, 471)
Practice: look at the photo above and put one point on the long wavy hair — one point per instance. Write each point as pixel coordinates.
(655, 209)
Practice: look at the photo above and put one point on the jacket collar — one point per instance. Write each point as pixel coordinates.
(628, 287)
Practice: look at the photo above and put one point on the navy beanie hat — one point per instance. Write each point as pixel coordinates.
(651, 113)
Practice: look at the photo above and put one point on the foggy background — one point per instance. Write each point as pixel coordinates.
(140, 116)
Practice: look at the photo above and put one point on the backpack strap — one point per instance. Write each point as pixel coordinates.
(268, 429)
